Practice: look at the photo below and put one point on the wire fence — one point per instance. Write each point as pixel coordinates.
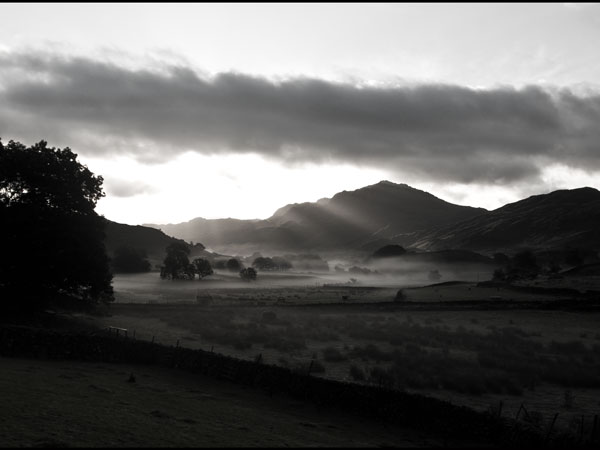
(435, 416)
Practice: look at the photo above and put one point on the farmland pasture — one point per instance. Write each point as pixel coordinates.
(297, 288)
(547, 359)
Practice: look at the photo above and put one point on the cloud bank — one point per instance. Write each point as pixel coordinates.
(445, 133)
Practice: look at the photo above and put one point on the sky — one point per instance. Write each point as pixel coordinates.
(234, 110)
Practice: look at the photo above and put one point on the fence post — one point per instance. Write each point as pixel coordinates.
(515, 429)
(550, 429)
(526, 413)
(595, 426)
(311, 366)
(153, 339)
(134, 334)
(177, 345)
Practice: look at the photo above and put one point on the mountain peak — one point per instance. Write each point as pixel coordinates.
(391, 184)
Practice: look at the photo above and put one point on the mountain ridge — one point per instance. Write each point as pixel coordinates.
(565, 217)
(385, 213)
(348, 218)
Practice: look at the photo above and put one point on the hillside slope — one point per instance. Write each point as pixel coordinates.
(564, 218)
(349, 220)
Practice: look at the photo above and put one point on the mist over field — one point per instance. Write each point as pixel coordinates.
(300, 225)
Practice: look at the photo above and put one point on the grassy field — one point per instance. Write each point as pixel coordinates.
(294, 288)
(77, 404)
(548, 360)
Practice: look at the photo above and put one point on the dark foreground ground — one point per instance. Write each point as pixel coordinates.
(89, 404)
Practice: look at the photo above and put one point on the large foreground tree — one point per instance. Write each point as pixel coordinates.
(52, 239)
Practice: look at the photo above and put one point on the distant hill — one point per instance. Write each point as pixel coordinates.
(209, 230)
(450, 257)
(560, 219)
(349, 220)
(379, 211)
(389, 255)
(153, 241)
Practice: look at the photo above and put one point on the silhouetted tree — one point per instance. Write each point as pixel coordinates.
(233, 265)
(189, 272)
(248, 274)
(130, 260)
(262, 263)
(176, 263)
(47, 214)
(400, 296)
(281, 263)
(203, 267)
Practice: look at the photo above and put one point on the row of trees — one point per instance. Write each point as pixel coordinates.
(525, 265)
(177, 266)
(276, 263)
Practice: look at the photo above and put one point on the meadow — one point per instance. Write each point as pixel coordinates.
(482, 357)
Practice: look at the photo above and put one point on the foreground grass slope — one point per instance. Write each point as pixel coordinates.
(67, 403)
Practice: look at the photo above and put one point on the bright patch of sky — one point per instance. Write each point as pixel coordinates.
(474, 45)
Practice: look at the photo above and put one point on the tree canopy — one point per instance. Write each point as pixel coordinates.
(47, 211)
(233, 265)
(203, 267)
(248, 274)
(276, 263)
(263, 263)
(176, 264)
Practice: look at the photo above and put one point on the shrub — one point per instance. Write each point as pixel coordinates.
(400, 296)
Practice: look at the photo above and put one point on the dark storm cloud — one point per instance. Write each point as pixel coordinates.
(443, 132)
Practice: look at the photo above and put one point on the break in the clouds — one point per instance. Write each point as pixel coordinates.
(441, 132)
